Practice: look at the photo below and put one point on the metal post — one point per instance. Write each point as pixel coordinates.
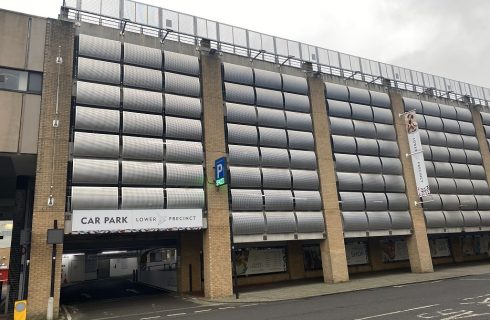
(233, 261)
(53, 271)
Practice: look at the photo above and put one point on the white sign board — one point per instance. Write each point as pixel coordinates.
(356, 253)
(94, 221)
(259, 261)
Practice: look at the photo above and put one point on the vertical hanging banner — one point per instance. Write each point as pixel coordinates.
(417, 154)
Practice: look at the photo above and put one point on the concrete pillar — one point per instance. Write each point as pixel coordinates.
(418, 243)
(375, 254)
(295, 260)
(482, 141)
(52, 160)
(456, 248)
(216, 238)
(190, 262)
(334, 260)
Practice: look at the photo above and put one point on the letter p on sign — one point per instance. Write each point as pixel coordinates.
(220, 171)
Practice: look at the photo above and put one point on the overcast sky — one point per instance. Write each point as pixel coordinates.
(450, 38)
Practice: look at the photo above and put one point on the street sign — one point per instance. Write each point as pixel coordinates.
(220, 171)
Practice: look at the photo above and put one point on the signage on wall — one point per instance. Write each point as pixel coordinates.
(417, 155)
(220, 171)
(394, 250)
(356, 253)
(99, 221)
(439, 247)
(260, 260)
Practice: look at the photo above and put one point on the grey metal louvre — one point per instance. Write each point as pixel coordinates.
(294, 84)
(181, 84)
(349, 181)
(96, 145)
(95, 171)
(99, 71)
(142, 56)
(296, 102)
(299, 121)
(397, 201)
(431, 109)
(142, 124)
(400, 220)
(301, 159)
(460, 155)
(429, 167)
(244, 223)
(391, 166)
(476, 171)
(467, 202)
(385, 131)
(307, 200)
(450, 125)
(463, 114)
(434, 187)
(426, 149)
(97, 94)
(370, 164)
(273, 137)
(142, 198)
(180, 128)
(424, 136)
(388, 148)
(241, 113)
(184, 175)
(243, 155)
(181, 63)
(346, 162)
(440, 153)
(141, 100)
(483, 202)
(239, 74)
(269, 98)
(249, 200)
(336, 91)
(464, 186)
(184, 151)
(480, 186)
(454, 140)
(435, 219)
(449, 202)
(341, 126)
(359, 95)
(473, 156)
(355, 221)
(460, 170)
(185, 198)
(380, 99)
(342, 144)
(437, 138)
(421, 121)
(337, 108)
(466, 128)
(309, 222)
(276, 178)
(470, 143)
(446, 185)
(242, 134)
(378, 220)
(471, 218)
(448, 112)
(364, 129)
(99, 48)
(142, 173)
(268, 79)
(142, 78)
(367, 146)
(433, 123)
(372, 182)
(361, 112)
(305, 179)
(382, 115)
(278, 200)
(412, 104)
(435, 203)
(239, 93)
(443, 169)
(454, 219)
(142, 148)
(91, 198)
(280, 222)
(394, 183)
(271, 118)
(352, 201)
(376, 201)
(245, 177)
(485, 218)
(182, 106)
(301, 140)
(485, 118)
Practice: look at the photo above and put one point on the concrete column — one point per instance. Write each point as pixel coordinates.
(295, 260)
(334, 260)
(52, 159)
(418, 243)
(482, 141)
(216, 238)
(190, 262)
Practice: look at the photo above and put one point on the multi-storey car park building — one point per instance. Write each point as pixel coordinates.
(112, 118)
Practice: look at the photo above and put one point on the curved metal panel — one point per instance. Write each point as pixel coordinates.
(140, 100)
(95, 171)
(182, 63)
(470, 143)
(269, 98)
(372, 182)
(421, 121)
(241, 113)
(294, 84)
(142, 148)
(355, 221)
(454, 219)
(278, 200)
(181, 84)
(424, 136)
(385, 131)
(367, 146)
(397, 201)
(485, 218)
(307, 200)
(249, 200)
(99, 48)
(435, 219)
(309, 222)
(370, 164)
(336, 91)
(268, 79)
(451, 126)
(448, 112)
(359, 95)
(99, 71)
(337, 108)
(427, 152)
(245, 177)
(296, 102)
(239, 93)
(483, 202)
(443, 169)
(352, 201)
(434, 187)
(376, 201)
(466, 128)
(180, 128)
(473, 156)
(243, 155)
(467, 202)
(449, 202)
(182, 106)
(391, 166)
(341, 126)
(433, 123)
(434, 204)
(271, 118)
(476, 171)
(364, 129)
(276, 178)
(446, 185)
(299, 121)
(429, 167)
(301, 140)
(342, 144)
(346, 162)
(185, 198)
(361, 112)
(142, 124)
(439, 153)
(464, 186)
(184, 175)
(96, 94)
(242, 134)
(388, 148)
(142, 56)
(480, 186)
(437, 138)
(378, 220)
(142, 173)
(382, 115)
(380, 99)
(142, 198)
(142, 78)
(184, 151)
(394, 183)
(301, 159)
(471, 219)
(460, 170)
(463, 114)
(274, 157)
(400, 220)
(431, 109)
(238, 74)
(87, 198)
(349, 181)
(273, 137)
(95, 145)
(280, 222)
(244, 223)
(305, 179)
(454, 140)
(412, 104)
(485, 118)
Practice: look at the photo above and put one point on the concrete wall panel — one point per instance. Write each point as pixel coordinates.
(10, 114)
(30, 124)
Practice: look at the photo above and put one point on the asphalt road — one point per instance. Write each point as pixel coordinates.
(460, 298)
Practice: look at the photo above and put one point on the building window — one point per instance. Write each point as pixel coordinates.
(18, 80)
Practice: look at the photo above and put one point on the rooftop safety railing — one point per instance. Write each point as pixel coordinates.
(167, 24)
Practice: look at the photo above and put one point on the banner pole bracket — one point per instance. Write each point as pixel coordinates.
(404, 113)
(412, 153)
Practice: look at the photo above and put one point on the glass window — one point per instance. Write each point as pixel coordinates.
(13, 79)
(35, 82)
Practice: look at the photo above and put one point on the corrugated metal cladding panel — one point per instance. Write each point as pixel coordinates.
(280, 222)
(142, 198)
(96, 94)
(182, 106)
(485, 218)
(431, 108)
(268, 79)
(274, 157)
(454, 219)
(299, 121)
(180, 128)
(239, 93)
(370, 164)
(238, 74)
(273, 137)
(355, 221)
(342, 144)
(382, 115)
(301, 159)
(269, 98)
(99, 48)
(448, 112)
(181, 198)
(85, 198)
(400, 220)
(184, 151)
(296, 102)
(413, 104)
(241, 134)
(248, 223)
(142, 56)
(181, 84)
(142, 173)
(305, 180)
(294, 84)
(463, 114)
(142, 124)
(341, 126)
(391, 166)
(471, 218)
(96, 145)
(276, 178)
(485, 118)
(337, 108)
(243, 155)
(346, 162)
(361, 112)
(309, 222)
(364, 129)
(140, 100)
(380, 99)
(379, 220)
(99, 71)
(301, 140)
(142, 148)
(278, 200)
(249, 200)
(352, 201)
(385, 131)
(359, 95)
(336, 92)
(477, 171)
(271, 118)
(92, 171)
(349, 181)
(241, 113)
(245, 177)
(184, 175)
(181, 63)
(372, 182)
(143, 78)
(367, 146)
(307, 200)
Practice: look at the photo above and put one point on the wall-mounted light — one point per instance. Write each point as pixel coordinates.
(50, 200)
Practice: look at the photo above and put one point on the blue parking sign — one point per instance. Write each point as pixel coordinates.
(220, 171)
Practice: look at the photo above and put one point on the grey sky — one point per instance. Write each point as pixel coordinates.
(450, 38)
